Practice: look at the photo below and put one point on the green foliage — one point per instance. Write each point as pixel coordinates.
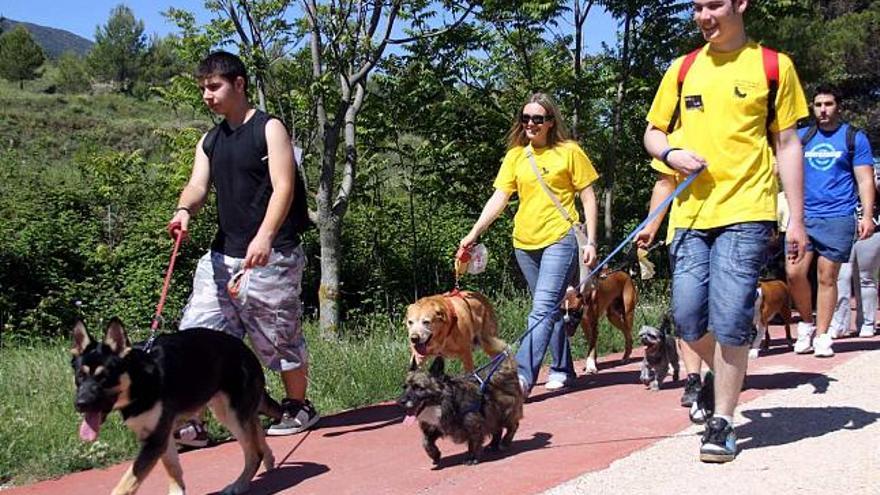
(87, 186)
(120, 47)
(72, 75)
(20, 56)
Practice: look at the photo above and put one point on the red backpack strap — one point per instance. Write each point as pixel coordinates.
(682, 73)
(771, 71)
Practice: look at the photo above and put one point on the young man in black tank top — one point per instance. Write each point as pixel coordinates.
(248, 160)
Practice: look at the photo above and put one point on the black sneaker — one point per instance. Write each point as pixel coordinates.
(704, 407)
(719, 441)
(691, 389)
(297, 417)
(192, 434)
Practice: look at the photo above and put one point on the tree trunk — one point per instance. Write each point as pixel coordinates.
(616, 136)
(328, 293)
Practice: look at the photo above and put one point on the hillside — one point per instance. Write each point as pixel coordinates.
(54, 41)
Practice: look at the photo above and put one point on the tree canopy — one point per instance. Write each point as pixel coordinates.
(20, 56)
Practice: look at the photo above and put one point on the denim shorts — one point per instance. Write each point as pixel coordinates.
(267, 309)
(714, 280)
(831, 238)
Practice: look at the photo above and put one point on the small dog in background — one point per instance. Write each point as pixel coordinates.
(613, 295)
(660, 354)
(771, 299)
(455, 407)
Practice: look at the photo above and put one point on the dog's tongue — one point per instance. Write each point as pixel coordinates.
(422, 349)
(409, 420)
(91, 424)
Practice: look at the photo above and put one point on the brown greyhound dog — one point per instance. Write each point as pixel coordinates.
(613, 295)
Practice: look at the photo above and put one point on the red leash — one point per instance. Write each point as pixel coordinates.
(157, 318)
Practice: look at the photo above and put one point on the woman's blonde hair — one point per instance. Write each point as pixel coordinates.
(558, 133)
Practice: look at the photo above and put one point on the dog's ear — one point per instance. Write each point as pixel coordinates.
(115, 337)
(81, 338)
(438, 366)
(413, 363)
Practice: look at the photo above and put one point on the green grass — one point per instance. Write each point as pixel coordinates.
(39, 427)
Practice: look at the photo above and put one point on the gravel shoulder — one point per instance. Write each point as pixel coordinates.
(821, 437)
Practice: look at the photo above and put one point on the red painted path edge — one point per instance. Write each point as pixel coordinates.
(600, 419)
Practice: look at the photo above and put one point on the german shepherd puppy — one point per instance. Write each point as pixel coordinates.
(176, 379)
(454, 407)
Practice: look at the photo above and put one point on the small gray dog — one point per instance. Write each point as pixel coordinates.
(660, 354)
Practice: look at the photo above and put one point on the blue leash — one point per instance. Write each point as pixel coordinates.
(651, 216)
(497, 359)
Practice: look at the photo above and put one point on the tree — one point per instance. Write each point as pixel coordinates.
(73, 74)
(119, 48)
(20, 56)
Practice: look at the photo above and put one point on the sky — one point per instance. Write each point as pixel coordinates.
(81, 17)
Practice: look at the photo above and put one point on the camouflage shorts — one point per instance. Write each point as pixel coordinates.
(267, 309)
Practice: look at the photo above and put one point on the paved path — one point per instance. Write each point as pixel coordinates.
(816, 424)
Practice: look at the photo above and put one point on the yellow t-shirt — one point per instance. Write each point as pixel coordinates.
(725, 123)
(566, 169)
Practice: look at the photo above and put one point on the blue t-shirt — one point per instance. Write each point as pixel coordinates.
(830, 188)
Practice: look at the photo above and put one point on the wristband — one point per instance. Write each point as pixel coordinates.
(664, 157)
(183, 208)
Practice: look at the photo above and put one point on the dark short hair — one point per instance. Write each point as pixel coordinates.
(827, 89)
(223, 64)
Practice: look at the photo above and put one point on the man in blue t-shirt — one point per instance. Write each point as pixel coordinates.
(837, 159)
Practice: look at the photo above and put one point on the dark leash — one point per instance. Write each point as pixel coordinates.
(157, 317)
(630, 259)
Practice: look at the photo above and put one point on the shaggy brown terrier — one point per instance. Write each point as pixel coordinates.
(455, 407)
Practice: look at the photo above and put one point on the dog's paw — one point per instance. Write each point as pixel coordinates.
(434, 454)
(473, 461)
(590, 368)
(655, 387)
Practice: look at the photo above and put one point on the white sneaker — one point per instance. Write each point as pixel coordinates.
(822, 346)
(835, 332)
(804, 344)
(867, 332)
(554, 384)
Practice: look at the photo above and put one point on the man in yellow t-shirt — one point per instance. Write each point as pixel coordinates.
(724, 219)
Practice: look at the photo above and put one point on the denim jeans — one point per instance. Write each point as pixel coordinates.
(861, 273)
(548, 272)
(715, 280)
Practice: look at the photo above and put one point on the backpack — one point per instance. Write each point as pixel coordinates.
(851, 133)
(299, 209)
(771, 70)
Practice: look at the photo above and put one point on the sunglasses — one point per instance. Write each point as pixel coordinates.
(536, 119)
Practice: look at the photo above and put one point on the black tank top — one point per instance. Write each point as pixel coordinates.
(240, 175)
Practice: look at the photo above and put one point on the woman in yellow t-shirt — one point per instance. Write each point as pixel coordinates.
(544, 242)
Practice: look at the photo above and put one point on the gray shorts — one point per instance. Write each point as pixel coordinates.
(268, 307)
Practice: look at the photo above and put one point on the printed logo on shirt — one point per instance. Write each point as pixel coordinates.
(822, 156)
(739, 94)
